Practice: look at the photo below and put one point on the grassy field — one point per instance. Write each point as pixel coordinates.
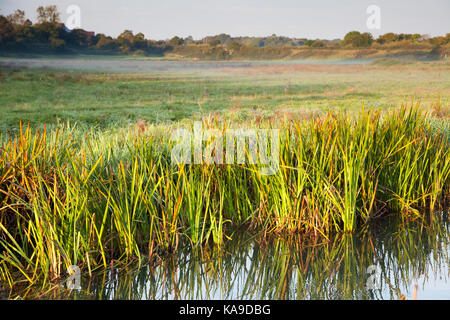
(237, 93)
(102, 190)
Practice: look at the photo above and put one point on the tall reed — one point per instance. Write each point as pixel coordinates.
(71, 196)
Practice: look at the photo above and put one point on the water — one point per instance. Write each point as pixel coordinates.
(383, 263)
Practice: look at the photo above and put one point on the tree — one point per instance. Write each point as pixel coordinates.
(176, 41)
(105, 42)
(352, 38)
(318, 44)
(48, 14)
(214, 42)
(357, 39)
(18, 17)
(366, 39)
(386, 38)
(6, 31)
(126, 41)
(438, 41)
(188, 40)
(139, 37)
(415, 37)
(126, 37)
(315, 43)
(234, 46)
(139, 41)
(56, 43)
(223, 38)
(24, 35)
(79, 38)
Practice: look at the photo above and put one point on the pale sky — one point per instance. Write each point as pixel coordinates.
(325, 19)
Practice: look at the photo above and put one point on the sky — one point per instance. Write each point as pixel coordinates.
(314, 19)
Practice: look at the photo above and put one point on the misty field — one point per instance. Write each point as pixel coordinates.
(192, 90)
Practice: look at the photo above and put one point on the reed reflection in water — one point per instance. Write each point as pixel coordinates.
(385, 263)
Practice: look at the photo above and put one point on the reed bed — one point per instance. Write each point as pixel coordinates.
(99, 199)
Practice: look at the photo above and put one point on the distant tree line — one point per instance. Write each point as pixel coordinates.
(49, 34)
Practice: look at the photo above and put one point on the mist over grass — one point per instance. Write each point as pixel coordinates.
(166, 92)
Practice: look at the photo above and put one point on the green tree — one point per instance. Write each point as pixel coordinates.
(56, 43)
(139, 42)
(6, 31)
(126, 41)
(357, 39)
(176, 41)
(438, 41)
(214, 43)
(234, 46)
(415, 37)
(366, 39)
(79, 38)
(18, 17)
(126, 38)
(48, 14)
(352, 38)
(318, 44)
(105, 43)
(387, 38)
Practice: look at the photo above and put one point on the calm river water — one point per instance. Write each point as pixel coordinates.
(382, 263)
